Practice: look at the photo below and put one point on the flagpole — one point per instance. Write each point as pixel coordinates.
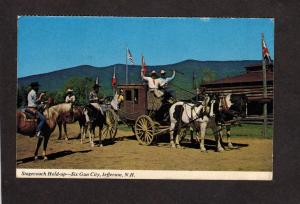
(265, 109)
(126, 65)
(113, 88)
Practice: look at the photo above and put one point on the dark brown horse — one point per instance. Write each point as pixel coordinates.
(28, 126)
(64, 119)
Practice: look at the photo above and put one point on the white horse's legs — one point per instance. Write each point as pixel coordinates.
(100, 135)
(172, 127)
(218, 135)
(202, 136)
(81, 134)
(230, 145)
(91, 136)
(177, 141)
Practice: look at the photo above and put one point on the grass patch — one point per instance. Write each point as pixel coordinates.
(249, 130)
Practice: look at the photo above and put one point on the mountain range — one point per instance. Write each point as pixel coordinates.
(55, 80)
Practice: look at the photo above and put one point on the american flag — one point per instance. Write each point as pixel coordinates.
(144, 68)
(266, 53)
(129, 56)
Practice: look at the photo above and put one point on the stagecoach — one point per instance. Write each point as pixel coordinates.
(146, 114)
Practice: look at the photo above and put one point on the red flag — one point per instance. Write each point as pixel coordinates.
(114, 79)
(266, 53)
(144, 68)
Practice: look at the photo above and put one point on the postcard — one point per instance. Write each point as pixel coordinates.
(102, 97)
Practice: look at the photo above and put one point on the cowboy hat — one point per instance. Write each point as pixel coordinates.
(162, 71)
(34, 84)
(153, 72)
(69, 90)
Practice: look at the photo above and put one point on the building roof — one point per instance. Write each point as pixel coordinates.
(244, 78)
(253, 74)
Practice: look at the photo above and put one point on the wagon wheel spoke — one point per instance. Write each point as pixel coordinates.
(142, 136)
(104, 133)
(110, 128)
(144, 130)
(138, 125)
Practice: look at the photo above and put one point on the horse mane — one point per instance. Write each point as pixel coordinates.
(228, 100)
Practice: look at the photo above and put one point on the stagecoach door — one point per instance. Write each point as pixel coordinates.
(134, 101)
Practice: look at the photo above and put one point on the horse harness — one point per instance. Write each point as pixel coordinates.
(192, 120)
(226, 109)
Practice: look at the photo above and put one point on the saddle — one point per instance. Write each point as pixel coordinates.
(30, 113)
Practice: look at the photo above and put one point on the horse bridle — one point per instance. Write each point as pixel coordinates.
(201, 113)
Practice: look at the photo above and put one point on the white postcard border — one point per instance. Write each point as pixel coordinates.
(143, 174)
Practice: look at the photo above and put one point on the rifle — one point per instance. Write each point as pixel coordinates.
(179, 72)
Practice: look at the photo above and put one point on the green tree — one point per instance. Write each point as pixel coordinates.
(207, 75)
(81, 86)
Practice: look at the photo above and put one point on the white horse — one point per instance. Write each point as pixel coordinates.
(187, 114)
(226, 108)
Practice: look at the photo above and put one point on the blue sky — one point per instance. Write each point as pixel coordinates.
(51, 43)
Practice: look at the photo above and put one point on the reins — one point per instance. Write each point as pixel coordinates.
(191, 119)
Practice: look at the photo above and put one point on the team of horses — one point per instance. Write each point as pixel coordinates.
(214, 111)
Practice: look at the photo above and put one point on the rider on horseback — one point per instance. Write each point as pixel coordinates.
(70, 98)
(34, 104)
(94, 99)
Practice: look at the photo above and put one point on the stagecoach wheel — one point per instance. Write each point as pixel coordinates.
(144, 130)
(109, 130)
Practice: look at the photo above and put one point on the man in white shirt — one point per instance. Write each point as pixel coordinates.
(163, 83)
(163, 80)
(70, 98)
(33, 104)
(153, 83)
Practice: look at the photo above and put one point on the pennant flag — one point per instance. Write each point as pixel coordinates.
(129, 56)
(144, 68)
(266, 53)
(114, 79)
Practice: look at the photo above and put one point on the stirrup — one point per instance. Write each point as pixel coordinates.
(38, 135)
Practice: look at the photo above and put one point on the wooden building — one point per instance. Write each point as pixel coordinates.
(249, 83)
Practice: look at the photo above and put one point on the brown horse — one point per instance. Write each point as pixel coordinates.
(28, 127)
(64, 119)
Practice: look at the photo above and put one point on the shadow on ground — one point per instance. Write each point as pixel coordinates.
(164, 140)
(52, 156)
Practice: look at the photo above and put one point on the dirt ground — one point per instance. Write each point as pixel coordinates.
(253, 154)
